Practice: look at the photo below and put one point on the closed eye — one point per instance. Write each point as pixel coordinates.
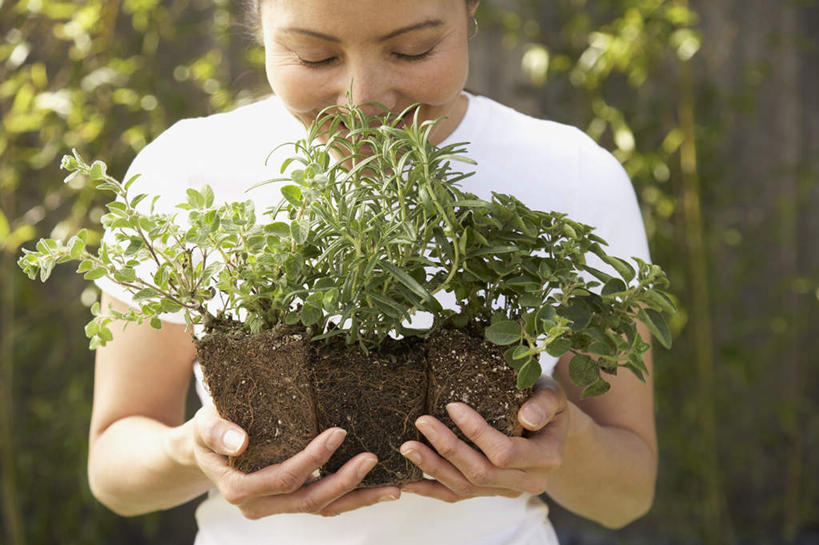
(330, 60)
(411, 58)
(317, 64)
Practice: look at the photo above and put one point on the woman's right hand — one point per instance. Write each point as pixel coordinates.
(285, 487)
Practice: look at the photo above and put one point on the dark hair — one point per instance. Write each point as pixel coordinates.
(253, 17)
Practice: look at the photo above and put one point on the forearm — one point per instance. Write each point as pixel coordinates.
(139, 465)
(607, 474)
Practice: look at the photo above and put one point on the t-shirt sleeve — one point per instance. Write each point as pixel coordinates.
(164, 169)
(605, 199)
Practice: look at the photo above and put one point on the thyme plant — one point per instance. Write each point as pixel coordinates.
(372, 224)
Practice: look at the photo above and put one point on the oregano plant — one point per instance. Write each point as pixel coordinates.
(372, 224)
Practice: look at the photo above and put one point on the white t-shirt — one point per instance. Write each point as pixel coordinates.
(547, 165)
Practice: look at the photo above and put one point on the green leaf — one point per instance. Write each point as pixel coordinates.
(91, 328)
(195, 199)
(547, 313)
(310, 315)
(207, 194)
(94, 274)
(143, 294)
(98, 170)
(657, 325)
(598, 388)
(166, 305)
(329, 299)
(520, 352)
(279, 228)
(300, 230)
(291, 318)
(85, 266)
(407, 280)
(625, 270)
(557, 347)
(583, 370)
(503, 332)
(528, 374)
(292, 193)
(530, 300)
(658, 300)
(156, 323)
(106, 334)
(578, 314)
(615, 285)
(126, 274)
(494, 250)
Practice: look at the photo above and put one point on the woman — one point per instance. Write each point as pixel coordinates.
(596, 457)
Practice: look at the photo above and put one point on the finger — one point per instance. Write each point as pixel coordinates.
(446, 473)
(287, 476)
(217, 434)
(533, 452)
(360, 498)
(548, 400)
(501, 450)
(316, 496)
(470, 463)
(434, 489)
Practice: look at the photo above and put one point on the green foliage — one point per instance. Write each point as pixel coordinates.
(375, 225)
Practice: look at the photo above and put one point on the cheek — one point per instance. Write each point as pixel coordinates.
(440, 80)
(300, 89)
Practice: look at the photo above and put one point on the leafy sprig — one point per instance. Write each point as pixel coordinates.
(372, 224)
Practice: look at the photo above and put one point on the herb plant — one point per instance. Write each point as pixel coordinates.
(371, 226)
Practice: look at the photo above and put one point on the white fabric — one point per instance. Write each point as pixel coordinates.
(547, 165)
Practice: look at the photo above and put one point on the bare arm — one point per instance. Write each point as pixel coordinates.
(138, 458)
(143, 455)
(609, 461)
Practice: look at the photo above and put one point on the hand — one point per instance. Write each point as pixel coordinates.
(507, 466)
(284, 487)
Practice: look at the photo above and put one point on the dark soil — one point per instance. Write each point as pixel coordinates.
(376, 397)
(466, 368)
(284, 390)
(262, 383)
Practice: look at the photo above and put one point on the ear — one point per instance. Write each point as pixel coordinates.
(472, 7)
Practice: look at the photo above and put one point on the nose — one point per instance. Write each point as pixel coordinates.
(368, 81)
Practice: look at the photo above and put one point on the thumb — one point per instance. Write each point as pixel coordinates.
(219, 435)
(548, 400)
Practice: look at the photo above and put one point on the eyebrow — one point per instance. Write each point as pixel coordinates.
(431, 23)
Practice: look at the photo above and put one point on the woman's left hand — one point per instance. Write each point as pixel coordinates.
(504, 466)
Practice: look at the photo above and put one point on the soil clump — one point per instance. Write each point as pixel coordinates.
(463, 367)
(284, 390)
(263, 383)
(376, 397)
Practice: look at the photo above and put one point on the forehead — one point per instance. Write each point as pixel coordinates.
(357, 17)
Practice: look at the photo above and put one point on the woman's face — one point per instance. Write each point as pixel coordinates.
(395, 52)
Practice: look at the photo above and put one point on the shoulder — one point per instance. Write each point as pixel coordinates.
(254, 123)
(225, 150)
(505, 128)
(555, 166)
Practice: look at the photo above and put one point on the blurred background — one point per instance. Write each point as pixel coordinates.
(711, 106)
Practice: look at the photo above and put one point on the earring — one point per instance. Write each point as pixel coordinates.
(473, 27)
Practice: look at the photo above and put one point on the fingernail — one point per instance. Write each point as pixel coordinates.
(532, 416)
(411, 455)
(365, 467)
(388, 497)
(426, 428)
(455, 410)
(233, 440)
(335, 439)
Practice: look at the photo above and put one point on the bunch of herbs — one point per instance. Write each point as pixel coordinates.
(371, 226)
